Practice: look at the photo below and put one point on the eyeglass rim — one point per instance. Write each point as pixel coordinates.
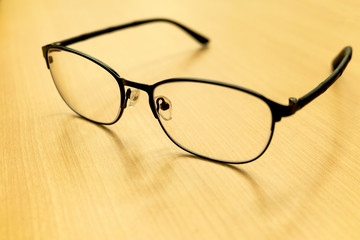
(268, 102)
(339, 64)
(274, 107)
(101, 64)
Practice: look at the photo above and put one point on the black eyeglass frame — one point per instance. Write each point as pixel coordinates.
(277, 110)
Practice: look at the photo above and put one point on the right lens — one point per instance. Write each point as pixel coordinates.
(88, 88)
(213, 120)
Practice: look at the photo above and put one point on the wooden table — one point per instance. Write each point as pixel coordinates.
(62, 177)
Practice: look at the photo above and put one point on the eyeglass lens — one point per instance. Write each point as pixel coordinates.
(86, 87)
(210, 120)
(215, 121)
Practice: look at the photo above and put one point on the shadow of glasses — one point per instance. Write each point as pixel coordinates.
(324, 168)
(256, 188)
(148, 179)
(135, 168)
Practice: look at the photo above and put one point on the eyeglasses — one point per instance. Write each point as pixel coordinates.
(213, 120)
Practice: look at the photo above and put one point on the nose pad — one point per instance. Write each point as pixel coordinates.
(132, 95)
(163, 107)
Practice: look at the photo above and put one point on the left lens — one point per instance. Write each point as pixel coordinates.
(88, 88)
(214, 121)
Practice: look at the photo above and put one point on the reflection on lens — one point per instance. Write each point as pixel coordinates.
(215, 121)
(86, 87)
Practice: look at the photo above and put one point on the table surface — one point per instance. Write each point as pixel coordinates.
(62, 177)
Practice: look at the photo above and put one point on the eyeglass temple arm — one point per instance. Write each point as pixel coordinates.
(339, 64)
(201, 39)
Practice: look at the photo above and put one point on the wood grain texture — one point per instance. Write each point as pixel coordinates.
(62, 177)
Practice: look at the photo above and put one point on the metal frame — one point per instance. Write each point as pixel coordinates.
(278, 110)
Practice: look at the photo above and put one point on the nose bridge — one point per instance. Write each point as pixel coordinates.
(146, 88)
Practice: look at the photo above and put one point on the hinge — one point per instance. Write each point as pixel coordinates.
(293, 106)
